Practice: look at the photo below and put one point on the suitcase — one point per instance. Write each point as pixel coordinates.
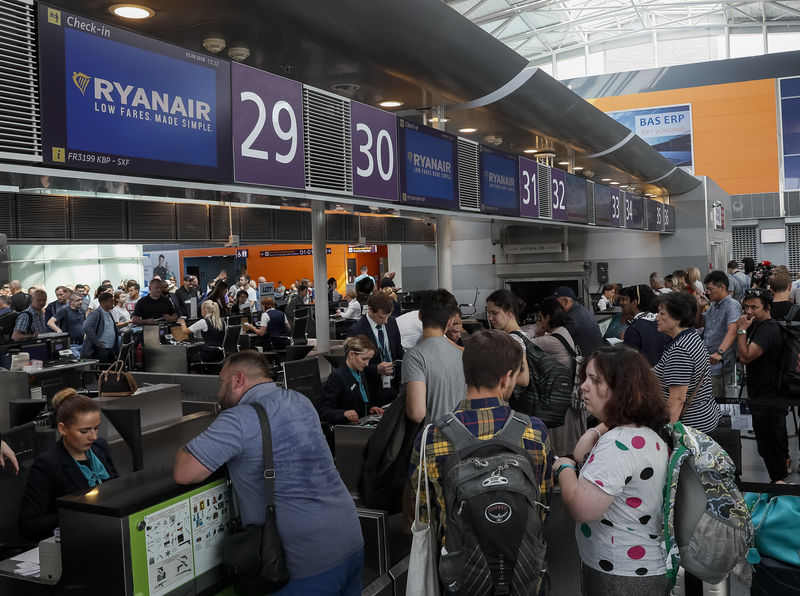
(775, 578)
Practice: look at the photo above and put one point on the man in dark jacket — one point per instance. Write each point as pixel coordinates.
(383, 372)
(102, 335)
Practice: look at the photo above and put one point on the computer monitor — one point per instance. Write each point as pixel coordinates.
(37, 351)
(58, 343)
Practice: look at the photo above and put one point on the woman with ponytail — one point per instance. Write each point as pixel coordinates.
(78, 461)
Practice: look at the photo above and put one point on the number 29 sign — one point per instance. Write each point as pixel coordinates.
(267, 128)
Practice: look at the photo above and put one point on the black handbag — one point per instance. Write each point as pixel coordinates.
(253, 556)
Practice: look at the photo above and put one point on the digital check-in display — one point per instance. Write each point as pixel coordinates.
(116, 101)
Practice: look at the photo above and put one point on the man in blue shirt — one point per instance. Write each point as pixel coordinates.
(581, 324)
(102, 337)
(70, 320)
(719, 331)
(316, 516)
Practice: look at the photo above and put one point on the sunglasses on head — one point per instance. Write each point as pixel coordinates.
(758, 293)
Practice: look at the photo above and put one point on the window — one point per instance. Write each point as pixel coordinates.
(793, 247)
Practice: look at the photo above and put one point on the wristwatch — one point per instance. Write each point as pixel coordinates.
(741, 331)
(720, 352)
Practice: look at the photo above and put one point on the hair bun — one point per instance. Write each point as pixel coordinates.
(63, 395)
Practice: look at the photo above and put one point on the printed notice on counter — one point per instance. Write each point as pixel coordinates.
(211, 511)
(168, 536)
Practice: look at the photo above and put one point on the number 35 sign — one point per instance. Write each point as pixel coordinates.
(267, 128)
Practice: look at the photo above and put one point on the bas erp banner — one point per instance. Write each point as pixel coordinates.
(116, 101)
(667, 129)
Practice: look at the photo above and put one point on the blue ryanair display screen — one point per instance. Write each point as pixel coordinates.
(427, 166)
(117, 101)
(499, 188)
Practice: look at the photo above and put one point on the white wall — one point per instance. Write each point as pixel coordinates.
(55, 265)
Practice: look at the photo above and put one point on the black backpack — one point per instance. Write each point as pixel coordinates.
(493, 542)
(549, 392)
(789, 380)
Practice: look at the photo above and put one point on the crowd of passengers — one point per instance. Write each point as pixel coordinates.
(680, 340)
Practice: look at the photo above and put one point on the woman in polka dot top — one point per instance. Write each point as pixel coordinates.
(616, 496)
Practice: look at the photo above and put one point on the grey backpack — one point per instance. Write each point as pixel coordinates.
(707, 527)
(493, 539)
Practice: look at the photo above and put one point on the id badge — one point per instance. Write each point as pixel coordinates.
(387, 381)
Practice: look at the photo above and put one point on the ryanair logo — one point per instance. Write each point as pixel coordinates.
(430, 164)
(127, 101)
(81, 81)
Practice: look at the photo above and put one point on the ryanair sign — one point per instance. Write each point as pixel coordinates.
(123, 102)
(127, 101)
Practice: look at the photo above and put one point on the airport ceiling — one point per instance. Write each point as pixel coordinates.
(536, 29)
(384, 49)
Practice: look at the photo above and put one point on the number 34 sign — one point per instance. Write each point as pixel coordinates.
(267, 128)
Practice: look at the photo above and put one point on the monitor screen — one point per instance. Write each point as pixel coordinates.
(498, 182)
(38, 351)
(126, 103)
(576, 199)
(428, 166)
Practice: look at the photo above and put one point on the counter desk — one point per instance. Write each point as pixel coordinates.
(140, 534)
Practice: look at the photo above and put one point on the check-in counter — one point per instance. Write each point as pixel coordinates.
(138, 534)
(162, 357)
(44, 383)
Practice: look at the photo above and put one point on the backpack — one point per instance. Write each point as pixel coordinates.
(493, 540)
(707, 527)
(789, 379)
(549, 392)
(386, 459)
(576, 399)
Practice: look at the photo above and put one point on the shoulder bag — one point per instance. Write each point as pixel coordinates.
(116, 382)
(252, 555)
(423, 577)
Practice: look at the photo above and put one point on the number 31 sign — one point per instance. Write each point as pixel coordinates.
(267, 128)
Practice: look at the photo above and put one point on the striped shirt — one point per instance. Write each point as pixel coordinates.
(484, 418)
(684, 363)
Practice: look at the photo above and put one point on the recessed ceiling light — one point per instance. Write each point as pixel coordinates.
(577, 168)
(530, 151)
(468, 129)
(563, 163)
(390, 103)
(442, 120)
(613, 183)
(131, 11)
(605, 180)
(624, 186)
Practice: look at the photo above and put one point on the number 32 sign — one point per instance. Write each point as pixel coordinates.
(267, 128)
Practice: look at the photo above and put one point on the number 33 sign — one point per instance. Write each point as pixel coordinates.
(267, 128)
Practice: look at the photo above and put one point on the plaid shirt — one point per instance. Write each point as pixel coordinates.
(30, 321)
(484, 418)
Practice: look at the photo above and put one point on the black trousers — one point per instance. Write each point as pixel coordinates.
(769, 425)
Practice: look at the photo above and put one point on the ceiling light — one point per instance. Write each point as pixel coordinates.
(214, 44)
(530, 151)
(624, 186)
(613, 183)
(577, 168)
(346, 87)
(468, 129)
(390, 103)
(563, 163)
(239, 53)
(605, 180)
(131, 11)
(435, 119)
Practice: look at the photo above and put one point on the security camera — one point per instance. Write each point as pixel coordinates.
(428, 221)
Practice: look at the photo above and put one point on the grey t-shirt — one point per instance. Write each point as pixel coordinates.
(316, 516)
(437, 363)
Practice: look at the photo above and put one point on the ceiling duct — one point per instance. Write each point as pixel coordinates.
(458, 59)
